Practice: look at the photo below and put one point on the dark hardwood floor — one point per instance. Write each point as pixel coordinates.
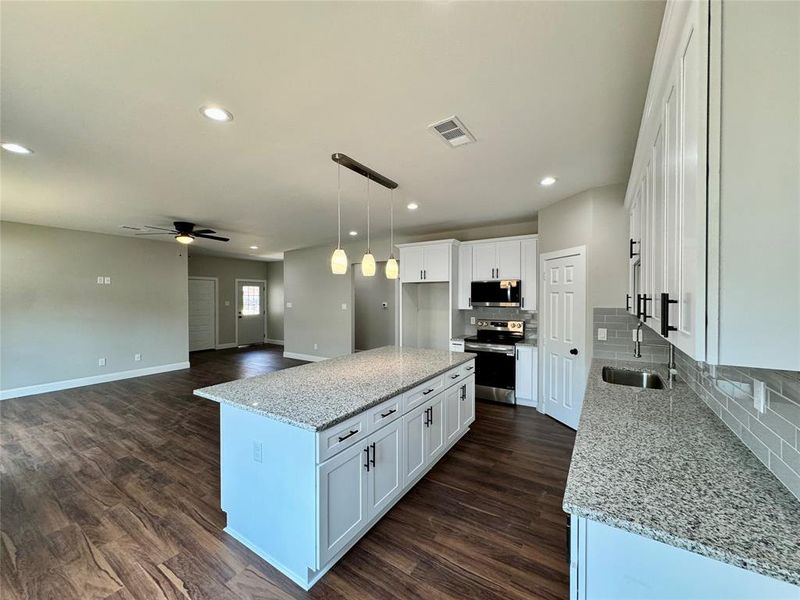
(112, 491)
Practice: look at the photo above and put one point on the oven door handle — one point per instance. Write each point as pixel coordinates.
(493, 348)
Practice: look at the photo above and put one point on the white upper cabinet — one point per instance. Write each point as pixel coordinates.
(529, 250)
(425, 263)
(464, 276)
(667, 192)
(496, 260)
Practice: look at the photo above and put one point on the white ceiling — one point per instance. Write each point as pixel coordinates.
(107, 95)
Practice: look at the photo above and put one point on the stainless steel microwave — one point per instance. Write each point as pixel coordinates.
(505, 293)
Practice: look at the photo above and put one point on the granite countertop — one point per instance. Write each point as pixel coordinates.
(661, 464)
(319, 395)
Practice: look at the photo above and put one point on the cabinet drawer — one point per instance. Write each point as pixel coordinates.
(341, 436)
(425, 391)
(453, 376)
(467, 369)
(384, 413)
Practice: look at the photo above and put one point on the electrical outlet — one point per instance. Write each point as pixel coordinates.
(472, 320)
(101, 362)
(759, 396)
(107, 280)
(384, 305)
(258, 452)
(288, 305)
(316, 346)
(137, 357)
(344, 306)
(100, 280)
(602, 334)
(227, 302)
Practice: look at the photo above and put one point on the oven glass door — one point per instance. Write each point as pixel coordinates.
(495, 369)
(495, 293)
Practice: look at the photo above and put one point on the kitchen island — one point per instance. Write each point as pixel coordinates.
(312, 456)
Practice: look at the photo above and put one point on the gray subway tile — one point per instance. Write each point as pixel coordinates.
(784, 407)
(771, 439)
(790, 388)
(791, 457)
(756, 446)
(778, 424)
(786, 475)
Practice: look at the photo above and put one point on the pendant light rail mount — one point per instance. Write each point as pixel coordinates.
(362, 170)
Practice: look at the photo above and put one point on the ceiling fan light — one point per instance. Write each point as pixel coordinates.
(368, 265)
(392, 268)
(339, 262)
(184, 238)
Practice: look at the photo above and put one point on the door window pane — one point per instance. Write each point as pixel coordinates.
(251, 299)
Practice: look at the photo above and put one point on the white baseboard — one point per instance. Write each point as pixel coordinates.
(276, 342)
(55, 386)
(309, 357)
(225, 346)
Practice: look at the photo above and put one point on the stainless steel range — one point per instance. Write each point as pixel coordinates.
(495, 366)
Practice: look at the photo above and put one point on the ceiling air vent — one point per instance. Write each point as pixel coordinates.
(452, 131)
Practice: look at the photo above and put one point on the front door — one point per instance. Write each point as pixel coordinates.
(564, 308)
(251, 311)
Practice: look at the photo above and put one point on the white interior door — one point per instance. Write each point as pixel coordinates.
(250, 296)
(564, 308)
(202, 314)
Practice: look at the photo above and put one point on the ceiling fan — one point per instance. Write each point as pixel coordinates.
(185, 232)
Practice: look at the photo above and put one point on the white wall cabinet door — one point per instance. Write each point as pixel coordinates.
(385, 477)
(414, 433)
(436, 265)
(464, 276)
(411, 264)
(509, 260)
(343, 500)
(452, 415)
(467, 397)
(529, 252)
(484, 262)
(525, 387)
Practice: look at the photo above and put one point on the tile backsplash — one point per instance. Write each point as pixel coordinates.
(619, 324)
(774, 435)
(505, 314)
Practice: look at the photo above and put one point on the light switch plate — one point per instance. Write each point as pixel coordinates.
(344, 306)
(258, 452)
(602, 334)
(137, 357)
(288, 305)
(227, 302)
(100, 280)
(472, 320)
(107, 280)
(759, 395)
(101, 362)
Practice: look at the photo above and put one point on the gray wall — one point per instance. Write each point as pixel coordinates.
(227, 271)
(275, 301)
(374, 325)
(598, 220)
(57, 321)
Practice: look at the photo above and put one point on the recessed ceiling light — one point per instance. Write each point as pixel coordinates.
(353, 233)
(412, 206)
(549, 180)
(216, 113)
(16, 148)
(253, 247)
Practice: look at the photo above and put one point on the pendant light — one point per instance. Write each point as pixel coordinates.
(368, 262)
(392, 268)
(339, 256)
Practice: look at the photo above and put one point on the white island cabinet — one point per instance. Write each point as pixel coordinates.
(305, 474)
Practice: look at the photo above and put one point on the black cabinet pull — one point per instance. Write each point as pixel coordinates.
(344, 437)
(431, 409)
(427, 423)
(386, 414)
(665, 326)
(426, 392)
(372, 460)
(627, 301)
(469, 300)
(456, 376)
(645, 300)
(632, 253)
(463, 392)
(470, 368)
(366, 464)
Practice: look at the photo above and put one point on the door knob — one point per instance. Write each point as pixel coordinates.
(574, 352)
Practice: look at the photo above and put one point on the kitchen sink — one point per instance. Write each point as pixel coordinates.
(640, 379)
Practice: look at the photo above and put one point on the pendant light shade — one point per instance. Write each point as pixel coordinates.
(368, 262)
(392, 268)
(339, 262)
(339, 256)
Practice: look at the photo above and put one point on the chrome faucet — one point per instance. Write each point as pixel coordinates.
(637, 345)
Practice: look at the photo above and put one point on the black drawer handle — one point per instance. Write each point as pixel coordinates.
(470, 368)
(456, 376)
(665, 326)
(386, 414)
(426, 392)
(344, 437)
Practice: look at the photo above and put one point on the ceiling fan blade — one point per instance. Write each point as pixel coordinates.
(161, 228)
(156, 233)
(201, 231)
(212, 237)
